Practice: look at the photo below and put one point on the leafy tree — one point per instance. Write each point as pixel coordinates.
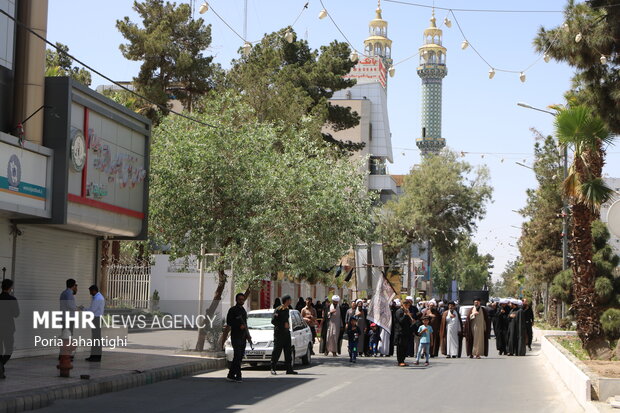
(170, 44)
(129, 100)
(57, 63)
(511, 280)
(442, 200)
(465, 265)
(606, 285)
(595, 84)
(289, 81)
(586, 134)
(265, 198)
(540, 244)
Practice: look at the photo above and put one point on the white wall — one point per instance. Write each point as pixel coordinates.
(613, 183)
(178, 291)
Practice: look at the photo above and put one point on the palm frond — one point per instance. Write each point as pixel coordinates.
(572, 184)
(594, 193)
(577, 126)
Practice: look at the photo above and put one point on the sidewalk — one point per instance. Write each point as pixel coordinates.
(33, 382)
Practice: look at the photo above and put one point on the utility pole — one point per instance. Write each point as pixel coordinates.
(564, 207)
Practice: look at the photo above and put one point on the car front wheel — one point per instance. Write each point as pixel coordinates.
(307, 359)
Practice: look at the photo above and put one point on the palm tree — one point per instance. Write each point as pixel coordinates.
(586, 134)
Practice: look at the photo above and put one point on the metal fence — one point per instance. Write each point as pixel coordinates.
(129, 285)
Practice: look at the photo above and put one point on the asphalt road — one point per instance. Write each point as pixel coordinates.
(497, 383)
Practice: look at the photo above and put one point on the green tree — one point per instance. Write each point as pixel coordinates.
(129, 100)
(442, 200)
(465, 265)
(289, 81)
(540, 244)
(265, 198)
(585, 133)
(595, 83)
(511, 280)
(57, 63)
(606, 284)
(169, 43)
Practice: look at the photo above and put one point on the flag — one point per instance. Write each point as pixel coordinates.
(379, 311)
(349, 275)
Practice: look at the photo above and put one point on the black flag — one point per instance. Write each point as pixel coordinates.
(349, 275)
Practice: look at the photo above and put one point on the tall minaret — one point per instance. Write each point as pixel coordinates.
(378, 44)
(432, 70)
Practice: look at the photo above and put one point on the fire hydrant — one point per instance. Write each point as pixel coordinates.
(64, 361)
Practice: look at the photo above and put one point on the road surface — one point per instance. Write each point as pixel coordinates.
(497, 383)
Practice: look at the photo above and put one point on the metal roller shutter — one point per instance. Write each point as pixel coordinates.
(46, 257)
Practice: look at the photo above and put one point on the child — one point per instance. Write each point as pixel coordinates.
(425, 332)
(375, 337)
(353, 333)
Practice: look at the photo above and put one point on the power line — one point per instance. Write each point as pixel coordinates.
(472, 10)
(341, 32)
(491, 10)
(104, 76)
(240, 36)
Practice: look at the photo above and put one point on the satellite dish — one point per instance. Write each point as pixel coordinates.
(613, 219)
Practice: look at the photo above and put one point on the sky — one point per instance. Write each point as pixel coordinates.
(480, 116)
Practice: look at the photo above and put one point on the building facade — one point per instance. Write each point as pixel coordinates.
(614, 240)
(432, 70)
(73, 171)
(369, 99)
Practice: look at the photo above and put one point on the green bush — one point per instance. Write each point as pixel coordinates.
(610, 320)
(604, 289)
(540, 308)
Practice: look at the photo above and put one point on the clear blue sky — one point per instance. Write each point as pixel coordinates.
(479, 115)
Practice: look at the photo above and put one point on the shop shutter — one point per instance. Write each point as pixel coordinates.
(46, 257)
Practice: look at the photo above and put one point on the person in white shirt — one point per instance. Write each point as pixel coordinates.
(97, 306)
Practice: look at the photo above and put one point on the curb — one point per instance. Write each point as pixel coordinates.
(42, 397)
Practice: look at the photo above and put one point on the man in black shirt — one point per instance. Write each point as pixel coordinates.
(237, 320)
(282, 336)
(9, 310)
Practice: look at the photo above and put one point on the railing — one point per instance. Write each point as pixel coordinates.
(129, 285)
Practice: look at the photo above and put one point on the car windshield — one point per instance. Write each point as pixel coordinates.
(260, 321)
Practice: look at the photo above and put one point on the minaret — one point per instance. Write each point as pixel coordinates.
(378, 44)
(432, 70)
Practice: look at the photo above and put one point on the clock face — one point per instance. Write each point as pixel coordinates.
(78, 152)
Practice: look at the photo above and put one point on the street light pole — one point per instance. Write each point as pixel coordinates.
(564, 200)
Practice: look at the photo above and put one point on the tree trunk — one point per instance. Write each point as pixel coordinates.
(584, 270)
(217, 299)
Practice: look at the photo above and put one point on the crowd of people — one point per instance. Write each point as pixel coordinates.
(421, 328)
(418, 328)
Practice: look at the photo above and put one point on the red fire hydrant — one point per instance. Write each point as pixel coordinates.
(64, 361)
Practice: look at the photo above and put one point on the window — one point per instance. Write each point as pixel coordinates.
(297, 322)
(7, 34)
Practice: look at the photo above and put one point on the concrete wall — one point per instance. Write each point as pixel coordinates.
(577, 382)
(178, 291)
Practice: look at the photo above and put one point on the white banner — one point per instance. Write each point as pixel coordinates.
(376, 253)
(379, 311)
(379, 307)
(361, 271)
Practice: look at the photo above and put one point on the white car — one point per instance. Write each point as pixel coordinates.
(261, 330)
(463, 310)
